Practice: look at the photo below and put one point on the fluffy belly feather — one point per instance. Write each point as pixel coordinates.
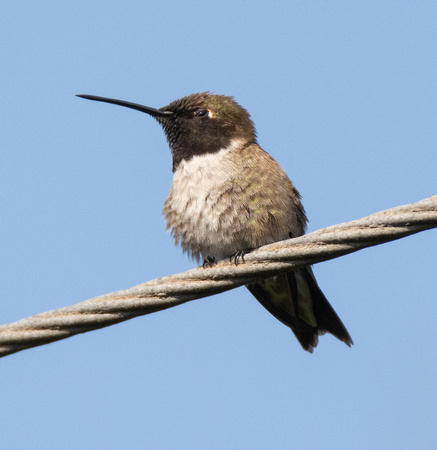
(219, 203)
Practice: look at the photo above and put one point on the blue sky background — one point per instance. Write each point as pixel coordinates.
(343, 95)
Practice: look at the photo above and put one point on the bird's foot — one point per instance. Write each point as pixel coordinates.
(238, 257)
(209, 261)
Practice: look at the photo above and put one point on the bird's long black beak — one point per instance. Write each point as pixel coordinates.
(145, 109)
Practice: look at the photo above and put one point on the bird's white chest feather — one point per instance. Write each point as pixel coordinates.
(198, 178)
(194, 208)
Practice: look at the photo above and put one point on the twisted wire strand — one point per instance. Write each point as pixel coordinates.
(166, 292)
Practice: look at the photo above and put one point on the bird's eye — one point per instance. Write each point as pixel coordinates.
(201, 113)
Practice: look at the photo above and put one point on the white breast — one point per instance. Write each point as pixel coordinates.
(195, 206)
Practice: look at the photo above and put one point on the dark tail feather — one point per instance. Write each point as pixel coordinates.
(296, 300)
(327, 318)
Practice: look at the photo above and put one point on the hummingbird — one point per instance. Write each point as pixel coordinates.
(229, 196)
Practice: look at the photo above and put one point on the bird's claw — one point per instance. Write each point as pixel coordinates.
(209, 261)
(238, 257)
